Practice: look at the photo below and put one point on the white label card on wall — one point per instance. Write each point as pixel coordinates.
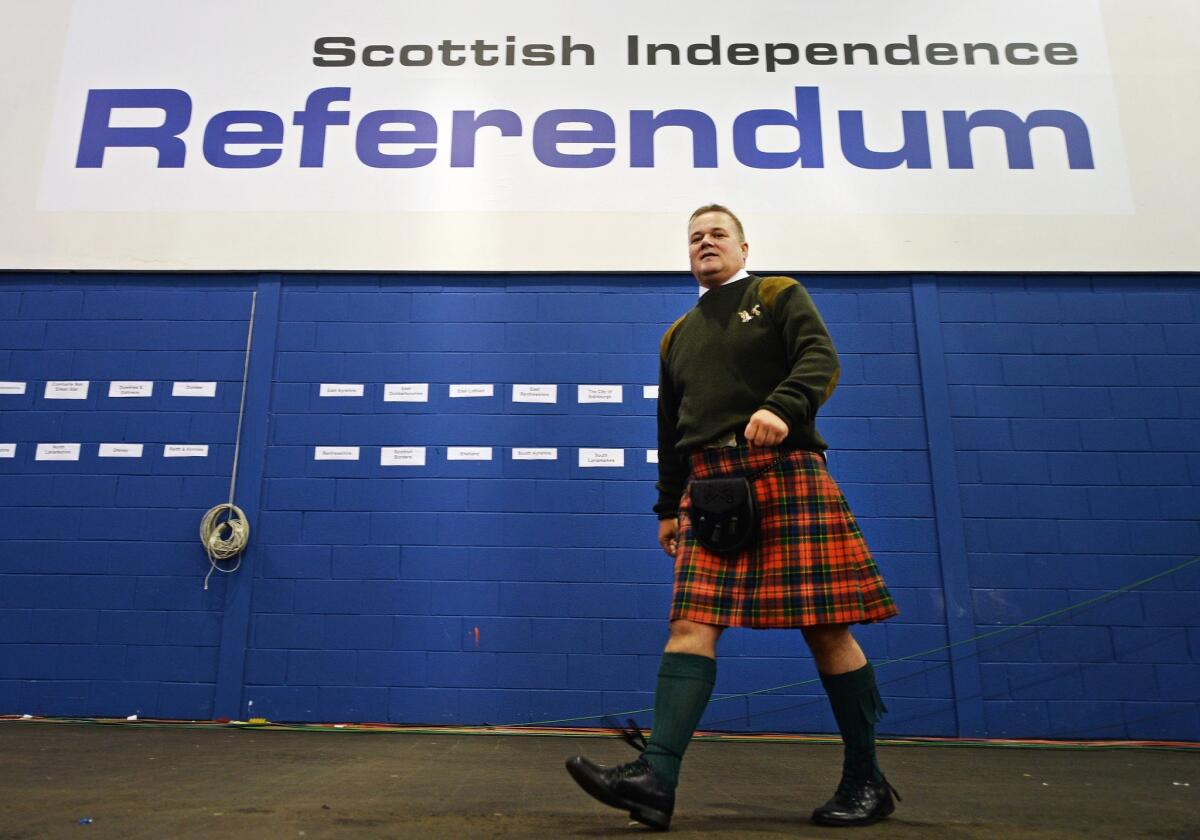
(483, 390)
(57, 452)
(194, 389)
(601, 457)
(535, 454)
(329, 389)
(406, 392)
(12, 387)
(129, 388)
(184, 450)
(649, 392)
(402, 456)
(66, 390)
(468, 453)
(535, 393)
(335, 453)
(8, 450)
(121, 450)
(600, 393)
(651, 456)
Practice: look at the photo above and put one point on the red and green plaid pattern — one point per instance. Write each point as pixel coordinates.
(809, 564)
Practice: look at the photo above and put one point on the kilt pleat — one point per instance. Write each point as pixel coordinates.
(809, 564)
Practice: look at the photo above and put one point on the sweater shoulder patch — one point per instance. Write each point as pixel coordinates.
(772, 287)
(665, 344)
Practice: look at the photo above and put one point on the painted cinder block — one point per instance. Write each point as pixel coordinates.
(321, 667)
(1119, 681)
(1177, 682)
(1046, 681)
(1016, 719)
(1160, 720)
(312, 494)
(427, 633)
(54, 698)
(423, 705)
(266, 667)
(170, 663)
(284, 703)
(1075, 644)
(391, 668)
(1121, 610)
(464, 597)
(68, 626)
(531, 670)
(987, 338)
(112, 698)
(463, 669)
(376, 562)
(53, 303)
(1087, 718)
(352, 703)
(1012, 606)
(969, 307)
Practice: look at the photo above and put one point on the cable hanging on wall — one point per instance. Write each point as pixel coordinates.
(224, 539)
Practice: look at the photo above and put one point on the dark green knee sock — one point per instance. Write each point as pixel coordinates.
(685, 682)
(856, 707)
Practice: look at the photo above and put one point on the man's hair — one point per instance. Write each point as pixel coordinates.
(719, 208)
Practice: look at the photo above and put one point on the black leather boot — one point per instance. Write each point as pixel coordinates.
(631, 787)
(857, 802)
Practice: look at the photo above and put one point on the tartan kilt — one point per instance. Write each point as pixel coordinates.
(808, 565)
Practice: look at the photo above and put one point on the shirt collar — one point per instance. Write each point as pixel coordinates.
(739, 276)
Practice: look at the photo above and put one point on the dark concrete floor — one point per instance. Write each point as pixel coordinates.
(187, 783)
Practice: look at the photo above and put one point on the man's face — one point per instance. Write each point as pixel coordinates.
(715, 250)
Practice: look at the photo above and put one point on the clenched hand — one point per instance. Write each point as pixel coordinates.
(765, 429)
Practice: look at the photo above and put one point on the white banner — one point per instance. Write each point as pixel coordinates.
(469, 135)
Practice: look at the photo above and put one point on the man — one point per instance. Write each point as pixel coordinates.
(741, 377)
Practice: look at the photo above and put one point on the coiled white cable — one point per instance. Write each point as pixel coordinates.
(227, 539)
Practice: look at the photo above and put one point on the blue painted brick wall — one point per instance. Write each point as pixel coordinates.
(509, 591)
(99, 568)
(1070, 404)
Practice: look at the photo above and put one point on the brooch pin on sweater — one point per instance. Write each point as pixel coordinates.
(753, 313)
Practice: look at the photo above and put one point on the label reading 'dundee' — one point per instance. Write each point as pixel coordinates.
(194, 389)
(120, 450)
(66, 390)
(57, 452)
(118, 390)
(402, 456)
(330, 389)
(544, 453)
(406, 392)
(181, 450)
(601, 457)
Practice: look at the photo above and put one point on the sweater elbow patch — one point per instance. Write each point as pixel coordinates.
(833, 381)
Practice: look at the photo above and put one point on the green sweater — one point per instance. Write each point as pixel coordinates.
(754, 343)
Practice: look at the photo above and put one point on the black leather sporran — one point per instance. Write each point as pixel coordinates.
(724, 514)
